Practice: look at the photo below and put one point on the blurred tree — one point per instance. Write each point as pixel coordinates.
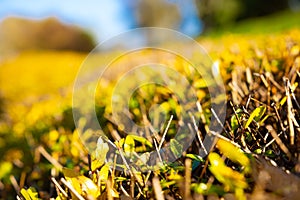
(157, 13)
(257, 8)
(220, 13)
(294, 5)
(17, 34)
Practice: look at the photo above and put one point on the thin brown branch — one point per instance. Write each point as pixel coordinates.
(52, 160)
(157, 188)
(278, 141)
(59, 189)
(71, 188)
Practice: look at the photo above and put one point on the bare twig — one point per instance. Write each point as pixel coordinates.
(218, 120)
(278, 141)
(198, 134)
(249, 77)
(289, 110)
(14, 183)
(262, 77)
(109, 189)
(279, 118)
(269, 143)
(132, 182)
(157, 150)
(274, 82)
(124, 191)
(165, 133)
(22, 179)
(58, 187)
(157, 188)
(187, 182)
(52, 160)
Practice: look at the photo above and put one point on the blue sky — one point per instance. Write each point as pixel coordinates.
(103, 18)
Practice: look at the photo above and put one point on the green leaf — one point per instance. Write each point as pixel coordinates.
(234, 123)
(176, 148)
(29, 194)
(197, 160)
(256, 115)
(270, 153)
(258, 151)
(141, 140)
(194, 157)
(234, 119)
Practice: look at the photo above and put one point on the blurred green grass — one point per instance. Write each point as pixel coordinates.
(274, 23)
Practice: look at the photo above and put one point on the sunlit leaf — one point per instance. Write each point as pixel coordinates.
(88, 187)
(141, 140)
(256, 115)
(197, 160)
(194, 157)
(5, 169)
(100, 154)
(103, 173)
(200, 83)
(83, 185)
(258, 151)
(174, 175)
(230, 178)
(166, 183)
(282, 101)
(234, 153)
(129, 144)
(29, 194)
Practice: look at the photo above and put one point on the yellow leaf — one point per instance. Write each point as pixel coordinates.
(129, 144)
(103, 174)
(5, 168)
(99, 156)
(256, 115)
(141, 140)
(88, 187)
(230, 178)
(29, 194)
(234, 154)
(84, 186)
(69, 173)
